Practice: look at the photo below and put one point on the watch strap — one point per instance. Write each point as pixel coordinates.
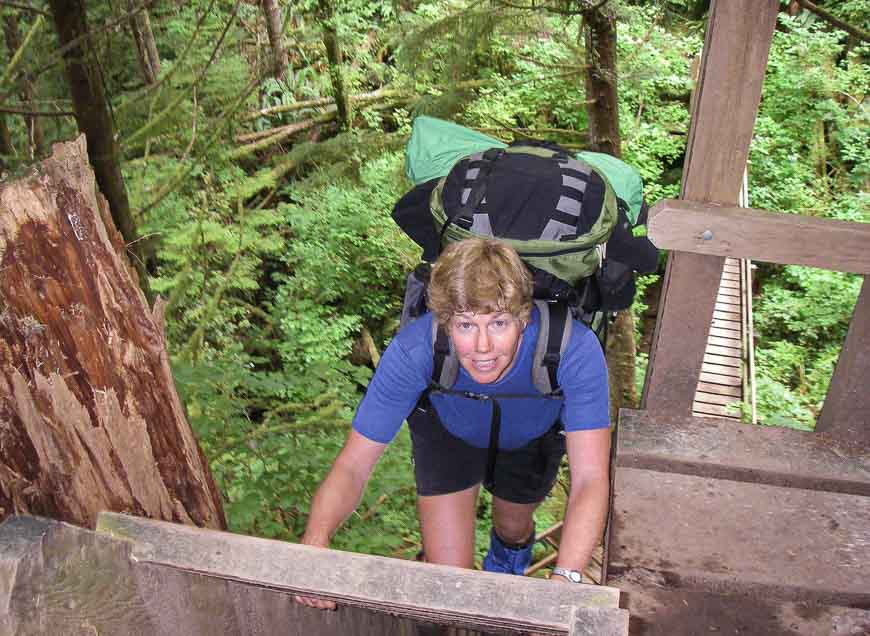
(574, 576)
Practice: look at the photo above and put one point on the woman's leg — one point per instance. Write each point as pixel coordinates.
(513, 522)
(447, 524)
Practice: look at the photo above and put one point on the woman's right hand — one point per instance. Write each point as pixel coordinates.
(310, 601)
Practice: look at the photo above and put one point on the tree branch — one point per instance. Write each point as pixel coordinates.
(24, 7)
(827, 17)
(37, 113)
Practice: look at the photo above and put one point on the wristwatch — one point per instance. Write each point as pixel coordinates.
(575, 576)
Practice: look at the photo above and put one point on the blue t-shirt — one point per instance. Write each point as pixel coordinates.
(406, 368)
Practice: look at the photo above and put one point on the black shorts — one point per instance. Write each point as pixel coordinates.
(443, 463)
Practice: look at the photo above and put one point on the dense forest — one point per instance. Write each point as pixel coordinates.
(251, 153)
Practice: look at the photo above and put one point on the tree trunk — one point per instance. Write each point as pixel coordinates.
(603, 114)
(146, 47)
(35, 136)
(276, 40)
(95, 121)
(89, 416)
(6, 148)
(333, 56)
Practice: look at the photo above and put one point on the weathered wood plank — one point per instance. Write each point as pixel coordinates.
(598, 623)
(657, 610)
(724, 351)
(422, 591)
(760, 235)
(727, 380)
(59, 579)
(709, 397)
(730, 333)
(720, 389)
(846, 411)
(726, 361)
(713, 410)
(719, 341)
(763, 454)
(725, 323)
(732, 69)
(711, 536)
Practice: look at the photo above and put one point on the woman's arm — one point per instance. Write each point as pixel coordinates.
(589, 461)
(339, 495)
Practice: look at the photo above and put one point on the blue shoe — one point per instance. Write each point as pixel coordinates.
(508, 560)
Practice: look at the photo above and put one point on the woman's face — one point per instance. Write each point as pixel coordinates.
(485, 344)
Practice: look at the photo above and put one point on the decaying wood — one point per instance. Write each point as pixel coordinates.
(425, 592)
(89, 416)
(772, 237)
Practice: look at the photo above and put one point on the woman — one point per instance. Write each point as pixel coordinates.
(480, 292)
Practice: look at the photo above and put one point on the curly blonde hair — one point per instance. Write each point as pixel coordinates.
(482, 276)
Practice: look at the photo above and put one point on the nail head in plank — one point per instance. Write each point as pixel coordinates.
(707, 536)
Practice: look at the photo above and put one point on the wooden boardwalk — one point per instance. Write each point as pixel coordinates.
(725, 379)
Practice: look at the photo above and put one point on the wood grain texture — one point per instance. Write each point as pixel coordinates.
(760, 235)
(703, 533)
(740, 452)
(89, 416)
(58, 579)
(424, 592)
(846, 411)
(732, 69)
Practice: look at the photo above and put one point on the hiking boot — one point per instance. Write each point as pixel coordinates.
(507, 558)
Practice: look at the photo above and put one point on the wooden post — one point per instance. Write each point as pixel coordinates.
(736, 46)
(89, 416)
(846, 413)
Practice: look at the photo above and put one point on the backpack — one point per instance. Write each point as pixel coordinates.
(560, 211)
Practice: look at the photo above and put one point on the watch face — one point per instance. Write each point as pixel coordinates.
(575, 577)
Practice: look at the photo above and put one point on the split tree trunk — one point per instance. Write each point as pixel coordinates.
(273, 28)
(95, 121)
(146, 46)
(89, 416)
(603, 113)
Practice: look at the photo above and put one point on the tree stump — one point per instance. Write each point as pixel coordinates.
(89, 416)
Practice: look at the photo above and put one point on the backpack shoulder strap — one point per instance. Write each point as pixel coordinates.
(446, 363)
(554, 334)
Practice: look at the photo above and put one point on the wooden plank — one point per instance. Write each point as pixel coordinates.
(592, 622)
(846, 411)
(659, 610)
(61, 579)
(707, 537)
(726, 341)
(728, 284)
(447, 595)
(719, 389)
(726, 361)
(733, 63)
(713, 410)
(723, 323)
(772, 237)
(724, 314)
(721, 369)
(731, 275)
(680, 335)
(724, 351)
(764, 454)
(710, 397)
(730, 333)
(728, 380)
